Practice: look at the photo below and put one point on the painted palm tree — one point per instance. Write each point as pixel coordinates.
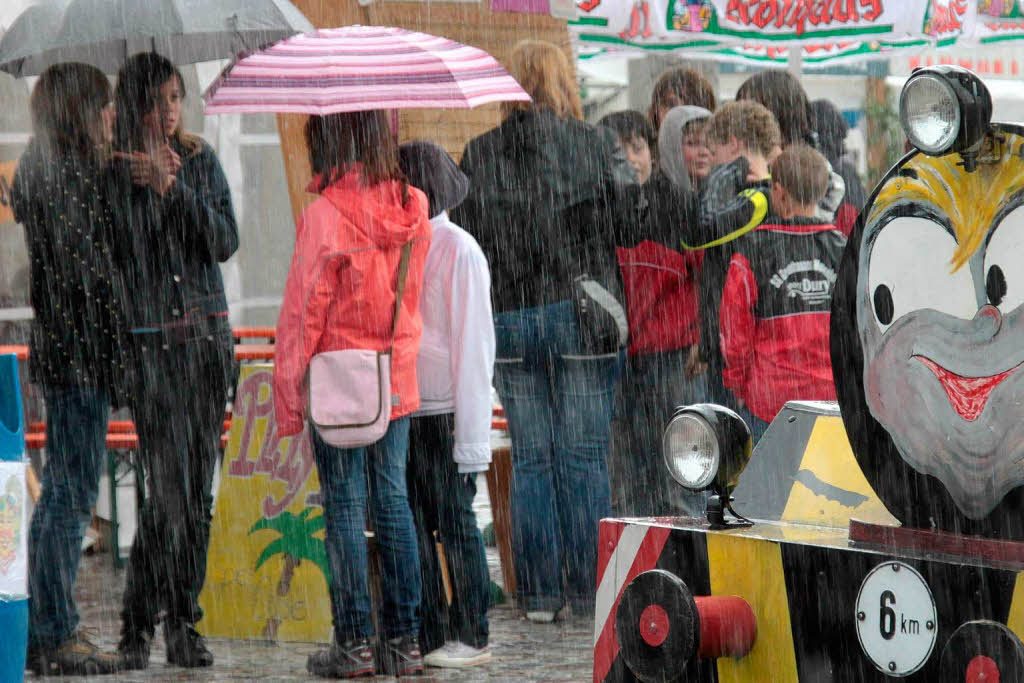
(297, 543)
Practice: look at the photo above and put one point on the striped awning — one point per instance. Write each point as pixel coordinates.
(357, 68)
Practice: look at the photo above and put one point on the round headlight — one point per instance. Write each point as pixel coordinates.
(930, 113)
(691, 451)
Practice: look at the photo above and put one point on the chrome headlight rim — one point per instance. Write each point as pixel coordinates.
(912, 90)
(964, 94)
(668, 457)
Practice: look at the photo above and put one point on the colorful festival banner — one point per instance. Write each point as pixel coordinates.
(267, 567)
(13, 532)
(764, 31)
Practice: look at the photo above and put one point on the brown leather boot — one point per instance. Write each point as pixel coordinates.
(76, 656)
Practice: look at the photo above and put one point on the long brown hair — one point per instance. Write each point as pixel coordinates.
(138, 86)
(785, 98)
(546, 74)
(66, 104)
(337, 142)
(678, 86)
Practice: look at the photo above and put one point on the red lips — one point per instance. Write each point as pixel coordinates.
(967, 395)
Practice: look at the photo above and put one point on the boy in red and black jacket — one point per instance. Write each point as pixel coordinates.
(741, 136)
(774, 313)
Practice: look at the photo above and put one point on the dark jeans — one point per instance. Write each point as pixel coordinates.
(178, 406)
(559, 406)
(653, 386)
(344, 491)
(442, 503)
(76, 431)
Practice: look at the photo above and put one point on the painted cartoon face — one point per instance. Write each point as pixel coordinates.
(941, 321)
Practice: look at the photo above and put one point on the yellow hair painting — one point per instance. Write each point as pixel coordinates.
(970, 200)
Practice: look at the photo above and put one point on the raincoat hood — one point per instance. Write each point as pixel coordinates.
(670, 143)
(376, 212)
(428, 167)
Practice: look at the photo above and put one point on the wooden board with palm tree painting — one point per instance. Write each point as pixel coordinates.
(267, 566)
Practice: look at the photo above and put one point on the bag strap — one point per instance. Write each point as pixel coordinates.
(403, 271)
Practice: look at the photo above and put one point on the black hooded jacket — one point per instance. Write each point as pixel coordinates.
(541, 202)
(176, 244)
(76, 290)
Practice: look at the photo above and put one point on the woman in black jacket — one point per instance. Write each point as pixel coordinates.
(61, 194)
(541, 190)
(181, 225)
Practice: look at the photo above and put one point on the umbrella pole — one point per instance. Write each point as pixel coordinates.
(394, 125)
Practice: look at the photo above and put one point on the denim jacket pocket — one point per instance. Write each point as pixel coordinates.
(510, 341)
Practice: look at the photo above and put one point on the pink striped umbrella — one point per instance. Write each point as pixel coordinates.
(357, 68)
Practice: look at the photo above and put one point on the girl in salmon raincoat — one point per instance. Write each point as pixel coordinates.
(340, 294)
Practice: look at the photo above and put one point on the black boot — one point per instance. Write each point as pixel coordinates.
(185, 647)
(134, 647)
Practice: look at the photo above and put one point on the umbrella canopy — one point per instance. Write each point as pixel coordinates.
(359, 68)
(105, 32)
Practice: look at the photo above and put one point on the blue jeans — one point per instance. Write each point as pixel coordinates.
(76, 432)
(344, 492)
(558, 401)
(442, 503)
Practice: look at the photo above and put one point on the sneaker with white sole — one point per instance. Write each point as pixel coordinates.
(541, 617)
(457, 655)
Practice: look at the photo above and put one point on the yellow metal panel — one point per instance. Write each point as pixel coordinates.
(265, 481)
(752, 569)
(1015, 621)
(830, 462)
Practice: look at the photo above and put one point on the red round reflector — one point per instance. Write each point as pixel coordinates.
(982, 669)
(654, 625)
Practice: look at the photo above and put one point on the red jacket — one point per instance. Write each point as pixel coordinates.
(774, 315)
(341, 287)
(661, 296)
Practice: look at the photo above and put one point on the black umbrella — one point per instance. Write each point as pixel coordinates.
(105, 32)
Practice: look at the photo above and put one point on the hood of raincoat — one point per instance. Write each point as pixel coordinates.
(428, 167)
(670, 143)
(377, 212)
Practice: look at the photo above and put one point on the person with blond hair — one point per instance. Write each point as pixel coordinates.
(542, 188)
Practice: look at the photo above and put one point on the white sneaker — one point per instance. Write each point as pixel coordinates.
(541, 617)
(457, 655)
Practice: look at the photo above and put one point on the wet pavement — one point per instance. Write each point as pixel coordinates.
(523, 651)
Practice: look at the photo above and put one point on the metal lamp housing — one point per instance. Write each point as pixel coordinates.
(945, 96)
(706, 446)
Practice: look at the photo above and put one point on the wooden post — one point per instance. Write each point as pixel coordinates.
(499, 479)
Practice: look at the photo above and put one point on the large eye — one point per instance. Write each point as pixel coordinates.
(909, 270)
(1004, 262)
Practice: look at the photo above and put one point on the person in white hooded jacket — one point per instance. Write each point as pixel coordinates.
(450, 434)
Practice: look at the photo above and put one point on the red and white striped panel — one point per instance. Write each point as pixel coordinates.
(624, 551)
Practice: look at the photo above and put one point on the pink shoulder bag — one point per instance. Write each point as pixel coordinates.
(350, 390)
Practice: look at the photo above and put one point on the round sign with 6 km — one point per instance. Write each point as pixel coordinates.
(896, 619)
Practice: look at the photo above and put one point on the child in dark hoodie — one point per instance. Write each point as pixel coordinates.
(660, 285)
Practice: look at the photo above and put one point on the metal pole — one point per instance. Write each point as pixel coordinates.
(795, 61)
